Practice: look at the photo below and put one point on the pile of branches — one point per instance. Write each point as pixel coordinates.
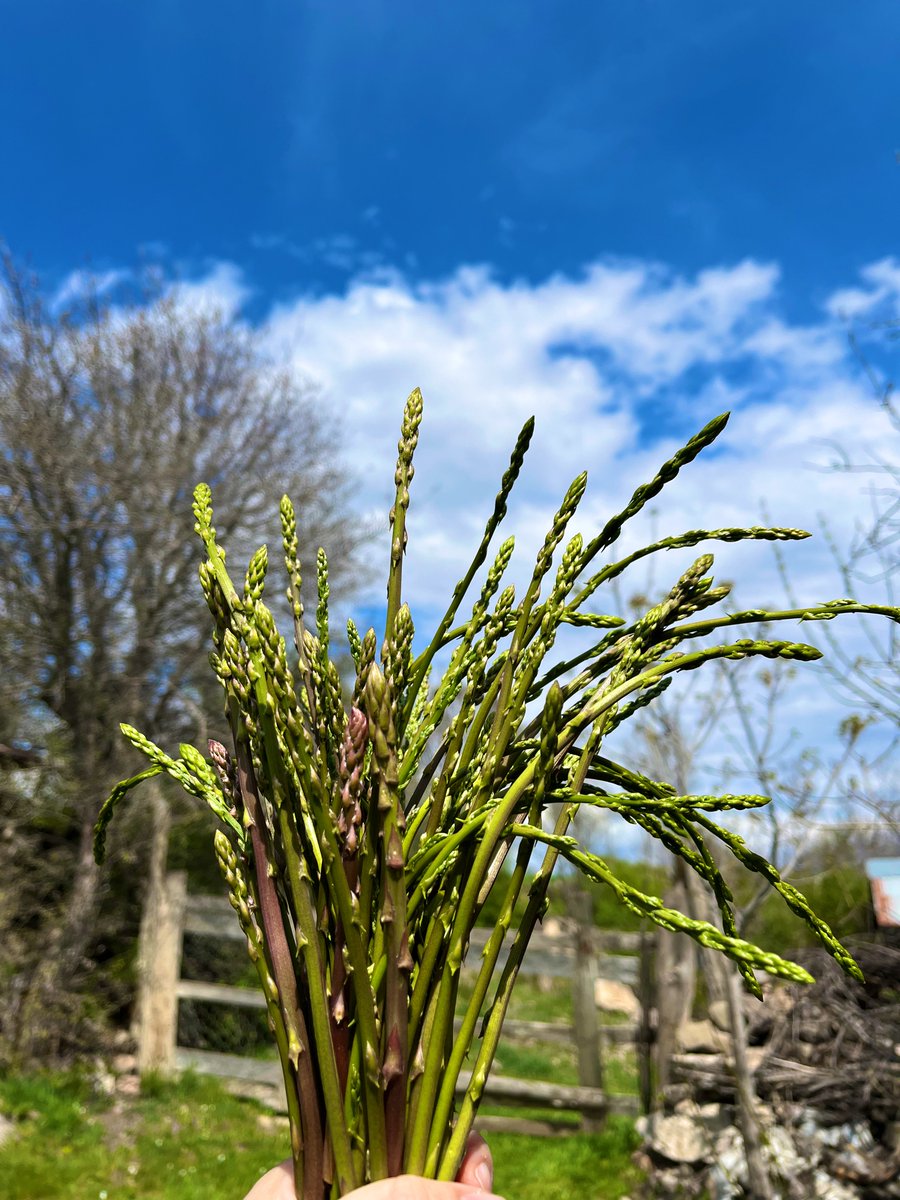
(833, 1046)
(837, 1049)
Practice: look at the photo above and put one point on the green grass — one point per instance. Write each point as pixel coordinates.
(581, 1167)
(178, 1141)
(534, 1001)
(191, 1140)
(531, 1000)
(535, 1060)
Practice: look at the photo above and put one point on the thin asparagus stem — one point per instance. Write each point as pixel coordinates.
(359, 845)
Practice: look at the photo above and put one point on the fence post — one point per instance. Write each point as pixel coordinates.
(584, 1003)
(159, 967)
(645, 1027)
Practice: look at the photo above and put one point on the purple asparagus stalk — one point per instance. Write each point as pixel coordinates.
(349, 822)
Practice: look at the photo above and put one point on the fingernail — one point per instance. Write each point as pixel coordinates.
(484, 1175)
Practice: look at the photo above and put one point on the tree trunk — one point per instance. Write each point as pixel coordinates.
(759, 1183)
(723, 984)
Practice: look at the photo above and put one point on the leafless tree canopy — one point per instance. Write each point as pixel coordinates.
(107, 421)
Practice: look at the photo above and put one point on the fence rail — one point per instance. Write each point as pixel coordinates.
(210, 916)
(583, 956)
(264, 1072)
(549, 1032)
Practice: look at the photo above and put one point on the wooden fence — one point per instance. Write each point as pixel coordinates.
(584, 957)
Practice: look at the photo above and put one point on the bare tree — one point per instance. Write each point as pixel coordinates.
(863, 673)
(107, 421)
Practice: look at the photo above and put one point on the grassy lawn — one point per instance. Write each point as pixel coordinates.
(579, 1167)
(192, 1140)
(184, 1141)
(558, 1064)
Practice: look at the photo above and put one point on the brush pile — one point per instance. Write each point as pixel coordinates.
(826, 1066)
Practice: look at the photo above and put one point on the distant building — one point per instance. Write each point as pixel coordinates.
(884, 879)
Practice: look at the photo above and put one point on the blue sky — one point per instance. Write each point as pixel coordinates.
(623, 218)
(295, 138)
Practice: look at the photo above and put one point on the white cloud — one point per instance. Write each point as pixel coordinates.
(619, 365)
(82, 285)
(222, 292)
(590, 356)
(882, 280)
(608, 362)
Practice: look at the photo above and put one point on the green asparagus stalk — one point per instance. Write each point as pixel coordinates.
(359, 838)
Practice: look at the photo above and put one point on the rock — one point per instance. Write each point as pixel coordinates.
(7, 1130)
(826, 1188)
(856, 1134)
(731, 1164)
(676, 1092)
(850, 1164)
(718, 1014)
(758, 1026)
(612, 996)
(128, 1085)
(677, 1139)
(272, 1124)
(756, 1056)
(642, 1161)
(760, 1018)
(124, 1064)
(859, 1135)
(721, 1188)
(104, 1082)
(714, 1117)
(781, 1153)
(700, 1037)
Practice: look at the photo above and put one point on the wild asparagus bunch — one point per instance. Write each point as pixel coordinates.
(359, 843)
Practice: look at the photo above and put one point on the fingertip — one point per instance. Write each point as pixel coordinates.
(477, 1169)
(277, 1184)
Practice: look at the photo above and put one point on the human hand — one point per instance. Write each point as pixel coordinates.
(475, 1179)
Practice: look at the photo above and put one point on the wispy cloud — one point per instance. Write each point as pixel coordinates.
(340, 251)
(881, 285)
(84, 284)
